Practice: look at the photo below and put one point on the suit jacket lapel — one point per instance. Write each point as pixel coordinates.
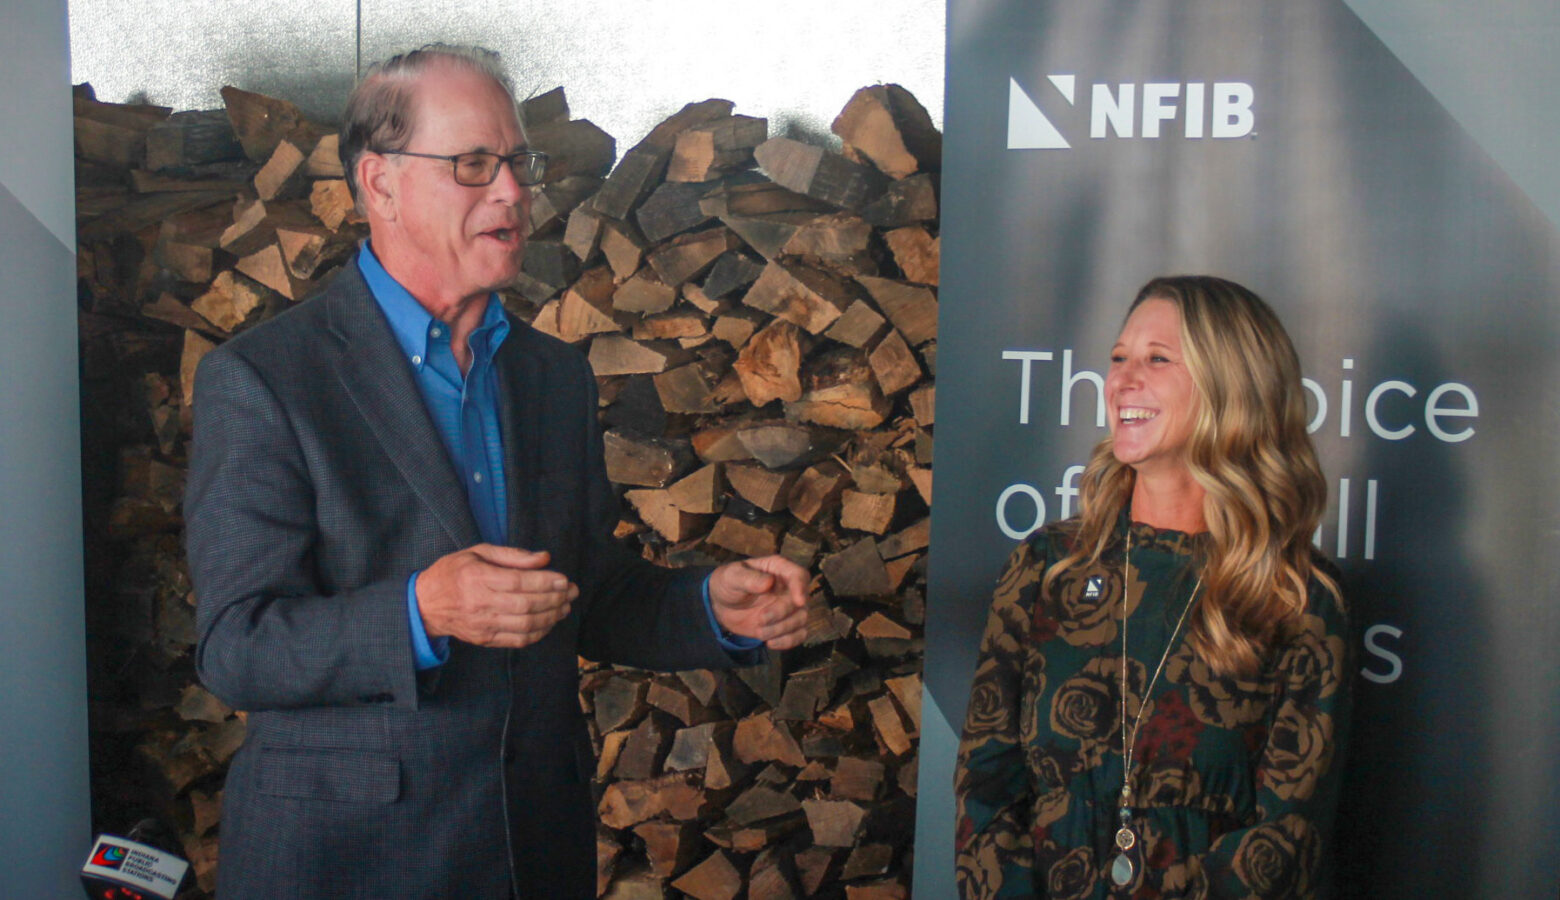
(519, 378)
(381, 385)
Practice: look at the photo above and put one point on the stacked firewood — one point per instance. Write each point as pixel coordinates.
(761, 316)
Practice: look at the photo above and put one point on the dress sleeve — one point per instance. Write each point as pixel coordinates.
(1298, 769)
(992, 788)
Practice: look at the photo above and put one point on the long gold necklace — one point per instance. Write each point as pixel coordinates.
(1122, 870)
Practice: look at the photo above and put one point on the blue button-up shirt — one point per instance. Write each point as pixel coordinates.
(464, 409)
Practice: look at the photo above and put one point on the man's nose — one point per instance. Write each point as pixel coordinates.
(506, 186)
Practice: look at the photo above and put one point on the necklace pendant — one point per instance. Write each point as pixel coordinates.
(1126, 795)
(1121, 870)
(1126, 839)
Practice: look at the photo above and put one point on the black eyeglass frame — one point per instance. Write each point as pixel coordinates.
(536, 159)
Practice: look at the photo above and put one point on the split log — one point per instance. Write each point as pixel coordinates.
(671, 209)
(704, 151)
(713, 879)
(623, 246)
(574, 148)
(915, 537)
(331, 202)
(889, 726)
(866, 512)
(859, 327)
(268, 267)
(642, 461)
(261, 122)
(554, 204)
(857, 571)
(645, 749)
(689, 255)
(804, 296)
(586, 307)
(617, 354)
(893, 364)
(282, 176)
(769, 364)
(582, 235)
(682, 324)
(670, 846)
(760, 739)
(818, 173)
(192, 138)
(857, 779)
(868, 860)
(691, 748)
(768, 879)
(760, 486)
(738, 326)
(878, 890)
(887, 125)
(732, 271)
(644, 293)
(545, 108)
(833, 822)
(306, 249)
(907, 202)
(839, 391)
(689, 389)
(817, 490)
(231, 302)
(661, 512)
(757, 538)
(700, 492)
(917, 253)
(912, 309)
(551, 263)
(325, 159)
(618, 703)
(840, 238)
(781, 445)
(923, 405)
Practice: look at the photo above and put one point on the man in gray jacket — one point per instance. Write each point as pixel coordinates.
(400, 535)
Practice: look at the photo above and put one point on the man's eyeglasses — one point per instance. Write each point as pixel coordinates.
(480, 169)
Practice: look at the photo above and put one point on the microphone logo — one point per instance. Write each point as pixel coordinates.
(109, 856)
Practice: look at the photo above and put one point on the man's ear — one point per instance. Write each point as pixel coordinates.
(377, 186)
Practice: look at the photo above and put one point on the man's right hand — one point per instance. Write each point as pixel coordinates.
(493, 596)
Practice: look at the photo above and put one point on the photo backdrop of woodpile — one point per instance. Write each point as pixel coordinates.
(761, 315)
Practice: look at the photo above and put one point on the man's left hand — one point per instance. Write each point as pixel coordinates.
(764, 599)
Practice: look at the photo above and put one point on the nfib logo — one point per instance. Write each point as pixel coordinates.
(1225, 111)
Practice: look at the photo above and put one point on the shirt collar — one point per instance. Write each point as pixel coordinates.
(410, 321)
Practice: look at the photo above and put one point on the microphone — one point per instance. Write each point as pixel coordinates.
(135, 867)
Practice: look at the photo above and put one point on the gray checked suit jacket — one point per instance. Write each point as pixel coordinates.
(317, 485)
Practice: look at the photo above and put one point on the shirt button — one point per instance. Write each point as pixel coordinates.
(435, 332)
(477, 477)
(417, 360)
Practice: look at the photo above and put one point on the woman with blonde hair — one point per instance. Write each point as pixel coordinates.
(1163, 688)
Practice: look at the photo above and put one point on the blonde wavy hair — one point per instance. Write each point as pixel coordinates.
(1249, 450)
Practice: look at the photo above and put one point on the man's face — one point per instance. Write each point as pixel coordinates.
(447, 240)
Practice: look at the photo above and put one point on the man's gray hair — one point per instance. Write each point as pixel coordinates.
(380, 114)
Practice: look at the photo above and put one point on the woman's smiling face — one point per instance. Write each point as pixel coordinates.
(1150, 398)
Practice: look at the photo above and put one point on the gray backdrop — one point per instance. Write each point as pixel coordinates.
(44, 806)
(1385, 177)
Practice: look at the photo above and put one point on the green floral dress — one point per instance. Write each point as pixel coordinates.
(1236, 779)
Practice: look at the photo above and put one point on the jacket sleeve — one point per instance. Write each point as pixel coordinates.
(637, 613)
(993, 791)
(1298, 770)
(269, 636)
